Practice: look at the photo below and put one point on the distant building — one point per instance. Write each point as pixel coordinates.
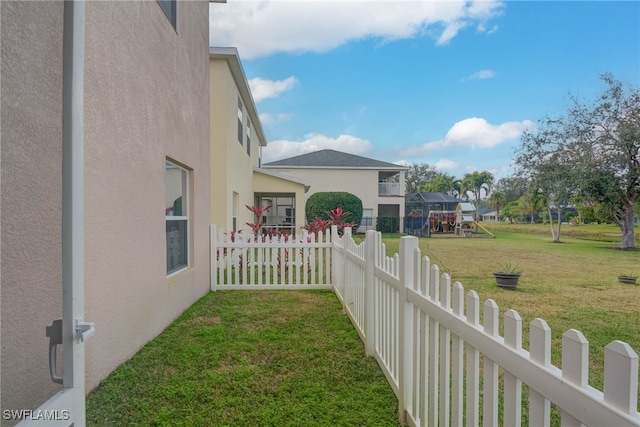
(380, 185)
(237, 137)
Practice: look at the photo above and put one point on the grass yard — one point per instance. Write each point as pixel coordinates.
(279, 358)
(571, 285)
(241, 358)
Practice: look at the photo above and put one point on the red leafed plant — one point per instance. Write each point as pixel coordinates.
(319, 225)
(258, 211)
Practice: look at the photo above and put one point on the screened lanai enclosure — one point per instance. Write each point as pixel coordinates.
(428, 213)
(281, 214)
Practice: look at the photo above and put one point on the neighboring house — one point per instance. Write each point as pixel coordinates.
(488, 215)
(237, 137)
(380, 185)
(146, 182)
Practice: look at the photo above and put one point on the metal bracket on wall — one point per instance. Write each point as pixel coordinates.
(84, 330)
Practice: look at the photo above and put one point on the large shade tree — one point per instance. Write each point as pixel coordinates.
(512, 187)
(599, 142)
(418, 175)
(610, 152)
(551, 172)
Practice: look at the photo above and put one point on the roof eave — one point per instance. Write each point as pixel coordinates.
(307, 184)
(230, 54)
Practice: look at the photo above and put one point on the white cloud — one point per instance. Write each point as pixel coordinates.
(282, 149)
(263, 89)
(480, 75)
(473, 133)
(263, 27)
(445, 164)
(270, 119)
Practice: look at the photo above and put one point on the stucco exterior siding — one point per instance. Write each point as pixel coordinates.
(231, 165)
(232, 168)
(222, 117)
(31, 188)
(145, 101)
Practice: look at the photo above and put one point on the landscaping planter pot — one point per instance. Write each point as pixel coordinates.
(630, 280)
(507, 280)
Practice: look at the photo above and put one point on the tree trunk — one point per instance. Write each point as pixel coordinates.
(628, 233)
(554, 238)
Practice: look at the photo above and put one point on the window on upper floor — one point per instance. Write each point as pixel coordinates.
(170, 8)
(240, 121)
(234, 211)
(249, 137)
(177, 217)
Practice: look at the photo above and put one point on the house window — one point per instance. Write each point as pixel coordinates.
(249, 137)
(367, 218)
(240, 120)
(177, 217)
(234, 211)
(169, 7)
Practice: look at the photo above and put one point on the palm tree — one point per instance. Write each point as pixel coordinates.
(497, 199)
(530, 203)
(475, 182)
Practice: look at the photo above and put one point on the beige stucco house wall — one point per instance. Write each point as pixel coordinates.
(30, 203)
(378, 184)
(236, 141)
(234, 151)
(145, 101)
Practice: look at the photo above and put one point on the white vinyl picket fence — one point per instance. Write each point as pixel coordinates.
(245, 261)
(444, 365)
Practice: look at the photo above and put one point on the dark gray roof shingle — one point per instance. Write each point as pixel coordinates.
(434, 197)
(333, 159)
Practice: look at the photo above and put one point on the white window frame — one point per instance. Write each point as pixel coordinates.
(240, 121)
(249, 138)
(234, 211)
(366, 211)
(183, 217)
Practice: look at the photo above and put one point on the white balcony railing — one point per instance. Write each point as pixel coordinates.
(389, 189)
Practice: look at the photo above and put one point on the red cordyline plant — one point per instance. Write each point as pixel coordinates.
(319, 225)
(258, 212)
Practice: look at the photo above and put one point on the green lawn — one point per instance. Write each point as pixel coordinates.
(571, 285)
(276, 358)
(241, 358)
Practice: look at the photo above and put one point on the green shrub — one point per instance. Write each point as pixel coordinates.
(319, 204)
(388, 224)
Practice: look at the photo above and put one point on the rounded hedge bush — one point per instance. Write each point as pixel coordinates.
(318, 204)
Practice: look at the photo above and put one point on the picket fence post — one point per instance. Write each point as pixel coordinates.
(408, 245)
(336, 276)
(370, 247)
(213, 253)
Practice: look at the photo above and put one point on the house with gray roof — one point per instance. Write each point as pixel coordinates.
(380, 185)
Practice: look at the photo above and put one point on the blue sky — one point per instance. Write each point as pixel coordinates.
(450, 83)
